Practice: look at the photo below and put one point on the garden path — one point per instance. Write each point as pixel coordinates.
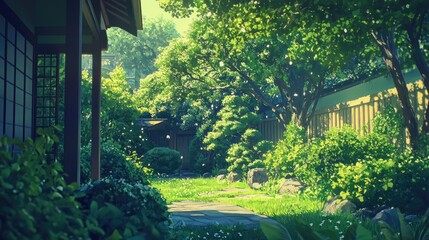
(205, 214)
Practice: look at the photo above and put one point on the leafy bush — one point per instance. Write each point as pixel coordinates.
(392, 228)
(247, 153)
(127, 210)
(367, 183)
(234, 119)
(400, 181)
(389, 123)
(114, 162)
(162, 160)
(341, 147)
(199, 158)
(288, 151)
(36, 203)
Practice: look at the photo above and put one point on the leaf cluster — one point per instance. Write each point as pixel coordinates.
(36, 203)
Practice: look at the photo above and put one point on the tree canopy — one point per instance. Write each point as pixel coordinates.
(397, 30)
(137, 54)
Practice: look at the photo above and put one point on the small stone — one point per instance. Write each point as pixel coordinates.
(336, 205)
(233, 177)
(256, 177)
(291, 186)
(207, 175)
(221, 177)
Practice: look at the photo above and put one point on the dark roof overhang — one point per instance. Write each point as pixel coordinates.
(46, 20)
(125, 14)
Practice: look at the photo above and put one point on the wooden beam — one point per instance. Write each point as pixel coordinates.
(95, 110)
(72, 98)
(91, 17)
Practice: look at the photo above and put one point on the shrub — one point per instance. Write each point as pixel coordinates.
(247, 153)
(234, 118)
(162, 160)
(142, 211)
(287, 152)
(389, 123)
(199, 158)
(36, 203)
(367, 183)
(114, 162)
(400, 181)
(341, 147)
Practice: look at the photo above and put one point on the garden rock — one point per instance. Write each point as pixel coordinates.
(336, 205)
(222, 172)
(221, 177)
(290, 186)
(390, 217)
(366, 213)
(256, 177)
(233, 177)
(207, 175)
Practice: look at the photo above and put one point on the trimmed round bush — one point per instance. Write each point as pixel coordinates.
(132, 210)
(162, 160)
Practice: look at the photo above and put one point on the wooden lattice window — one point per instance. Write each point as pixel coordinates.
(47, 86)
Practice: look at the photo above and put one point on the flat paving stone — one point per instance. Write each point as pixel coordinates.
(204, 214)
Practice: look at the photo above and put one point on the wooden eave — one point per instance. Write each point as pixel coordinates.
(97, 17)
(125, 14)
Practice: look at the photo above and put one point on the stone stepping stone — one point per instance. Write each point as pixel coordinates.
(205, 214)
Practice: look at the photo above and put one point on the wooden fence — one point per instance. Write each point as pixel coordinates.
(271, 129)
(357, 113)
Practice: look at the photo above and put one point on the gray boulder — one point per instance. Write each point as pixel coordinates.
(291, 186)
(221, 177)
(256, 177)
(207, 175)
(233, 177)
(336, 205)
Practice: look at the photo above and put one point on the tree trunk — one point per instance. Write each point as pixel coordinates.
(423, 68)
(385, 41)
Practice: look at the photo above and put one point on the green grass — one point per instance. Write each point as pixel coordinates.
(199, 189)
(286, 209)
(216, 232)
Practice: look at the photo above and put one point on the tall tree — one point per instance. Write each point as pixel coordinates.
(137, 54)
(388, 23)
(270, 54)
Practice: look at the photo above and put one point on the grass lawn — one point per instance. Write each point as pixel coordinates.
(283, 208)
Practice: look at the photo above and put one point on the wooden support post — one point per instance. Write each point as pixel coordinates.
(72, 98)
(96, 103)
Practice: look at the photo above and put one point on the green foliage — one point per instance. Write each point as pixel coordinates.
(373, 181)
(119, 114)
(368, 183)
(361, 168)
(393, 228)
(115, 163)
(287, 152)
(340, 146)
(162, 160)
(127, 210)
(219, 232)
(137, 54)
(235, 118)
(36, 203)
(389, 123)
(198, 157)
(247, 153)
